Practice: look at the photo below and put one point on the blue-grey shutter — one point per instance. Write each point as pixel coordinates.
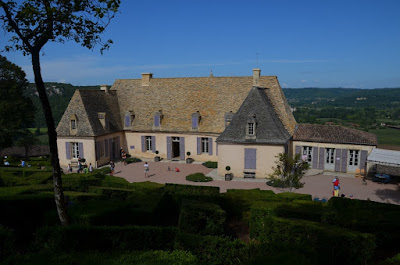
(80, 146)
(68, 150)
(337, 159)
(143, 143)
(198, 145)
(195, 121)
(157, 120)
(297, 149)
(106, 147)
(169, 147)
(110, 146)
(96, 146)
(182, 147)
(216, 148)
(153, 144)
(363, 159)
(344, 160)
(210, 146)
(315, 157)
(119, 147)
(250, 158)
(321, 162)
(127, 120)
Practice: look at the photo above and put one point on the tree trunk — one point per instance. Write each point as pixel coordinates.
(51, 130)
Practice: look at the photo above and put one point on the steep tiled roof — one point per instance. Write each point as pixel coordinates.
(86, 105)
(333, 134)
(258, 107)
(179, 98)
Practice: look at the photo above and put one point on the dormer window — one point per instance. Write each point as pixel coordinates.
(228, 118)
(129, 117)
(158, 116)
(73, 124)
(195, 120)
(251, 127)
(102, 116)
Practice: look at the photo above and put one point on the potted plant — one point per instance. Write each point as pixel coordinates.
(189, 160)
(157, 158)
(228, 176)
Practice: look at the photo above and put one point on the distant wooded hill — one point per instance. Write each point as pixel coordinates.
(60, 94)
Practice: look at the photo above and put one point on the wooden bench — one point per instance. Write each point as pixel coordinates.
(249, 174)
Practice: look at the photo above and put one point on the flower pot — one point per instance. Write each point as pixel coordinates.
(189, 160)
(157, 159)
(228, 176)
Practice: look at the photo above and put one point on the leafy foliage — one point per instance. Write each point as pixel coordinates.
(198, 177)
(289, 171)
(16, 110)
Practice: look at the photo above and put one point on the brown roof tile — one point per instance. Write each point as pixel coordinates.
(333, 134)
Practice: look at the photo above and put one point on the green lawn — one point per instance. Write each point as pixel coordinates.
(387, 136)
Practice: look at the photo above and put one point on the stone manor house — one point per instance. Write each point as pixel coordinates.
(241, 122)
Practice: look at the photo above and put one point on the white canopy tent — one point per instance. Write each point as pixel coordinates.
(384, 157)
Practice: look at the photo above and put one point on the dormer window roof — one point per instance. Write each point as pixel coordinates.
(228, 118)
(73, 124)
(251, 127)
(102, 116)
(158, 116)
(128, 120)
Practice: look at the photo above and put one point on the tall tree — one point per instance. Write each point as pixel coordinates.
(16, 110)
(33, 23)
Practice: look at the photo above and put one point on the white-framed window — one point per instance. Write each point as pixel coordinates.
(354, 157)
(74, 150)
(148, 143)
(250, 128)
(330, 155)
(307, 153)
(204, 145)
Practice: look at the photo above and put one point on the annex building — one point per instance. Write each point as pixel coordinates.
(241, 122)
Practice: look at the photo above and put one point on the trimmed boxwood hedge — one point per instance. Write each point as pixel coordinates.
(105, 238)
(7, 240)
(198, 177)
(210, 164)
(202, 218)
(111, 193)
(214, 250)
(331, 244)
(190, 190)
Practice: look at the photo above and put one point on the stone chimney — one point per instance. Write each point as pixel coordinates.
(256, 76)
(146, 78)
(105, 88)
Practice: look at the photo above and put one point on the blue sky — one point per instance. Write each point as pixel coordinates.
(332, 43)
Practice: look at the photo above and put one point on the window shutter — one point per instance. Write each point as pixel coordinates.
(210, 146)
(97, 147)
(315, 157)
(119, 147)
(157, 120)
(169, 148)
(153, 144)
(110, 147)
(182, 147)
(337, 159)
(143, 143)
(68, 150)
(298, 149)
(321, 162)
(250, 158)
(199, 145)
(363, 159)
(344, 160)
(216, 149)
(195, 122)
(106, 147)
(127, 120)
(80, 146)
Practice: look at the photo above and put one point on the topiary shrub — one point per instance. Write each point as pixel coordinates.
(198, 177)
(133, 160)
(210, 164)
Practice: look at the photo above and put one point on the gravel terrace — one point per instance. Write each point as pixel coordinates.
(318, 185)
